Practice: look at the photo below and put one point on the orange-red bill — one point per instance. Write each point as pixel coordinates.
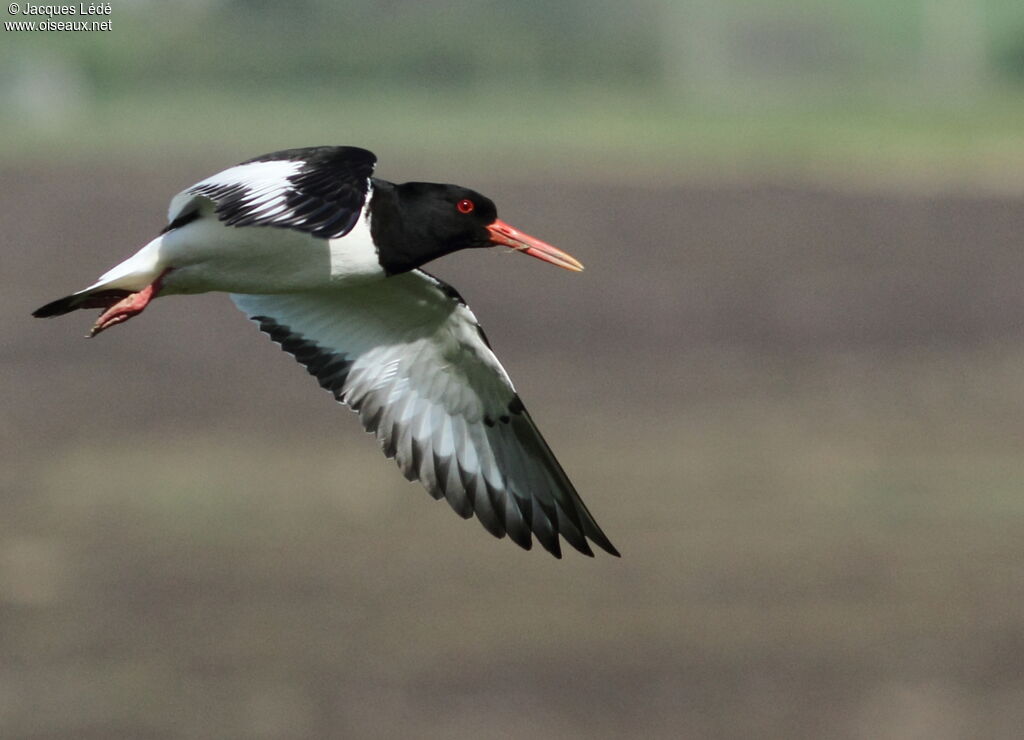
(509, 236)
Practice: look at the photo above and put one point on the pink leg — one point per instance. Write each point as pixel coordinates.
(131, 305)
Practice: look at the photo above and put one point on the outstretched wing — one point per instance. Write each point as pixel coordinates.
(318, 190)
(409, 357)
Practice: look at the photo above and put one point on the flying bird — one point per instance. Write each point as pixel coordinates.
(327, 260)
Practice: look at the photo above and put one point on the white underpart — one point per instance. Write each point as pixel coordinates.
(354, 256)
(206, 255)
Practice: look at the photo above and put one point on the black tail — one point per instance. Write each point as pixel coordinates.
(61, 306)
(58, 307)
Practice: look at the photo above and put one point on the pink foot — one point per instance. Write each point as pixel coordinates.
(132, 305)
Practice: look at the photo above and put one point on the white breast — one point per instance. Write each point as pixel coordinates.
(354, 257)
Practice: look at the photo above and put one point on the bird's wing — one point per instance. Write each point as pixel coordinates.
(409, 357)
(318, 190)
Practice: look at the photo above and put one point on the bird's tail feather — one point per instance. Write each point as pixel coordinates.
(128, 277)
(75, 301)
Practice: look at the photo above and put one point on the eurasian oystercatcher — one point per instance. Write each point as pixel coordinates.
(337, 283)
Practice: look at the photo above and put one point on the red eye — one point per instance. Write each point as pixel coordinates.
(465, 206)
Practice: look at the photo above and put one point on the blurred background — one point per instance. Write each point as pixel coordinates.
(789, 384)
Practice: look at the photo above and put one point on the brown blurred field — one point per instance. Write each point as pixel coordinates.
(798, 412)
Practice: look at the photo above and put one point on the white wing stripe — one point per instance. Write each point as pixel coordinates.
(267, 173)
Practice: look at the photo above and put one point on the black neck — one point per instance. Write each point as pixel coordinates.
(404, 240)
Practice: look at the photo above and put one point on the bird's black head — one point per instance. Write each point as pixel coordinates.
(416, 222)
(447, 216)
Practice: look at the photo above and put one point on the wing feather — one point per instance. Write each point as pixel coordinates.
(316, 190)
(408, 356)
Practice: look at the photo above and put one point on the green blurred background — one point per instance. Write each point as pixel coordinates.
(788, 385)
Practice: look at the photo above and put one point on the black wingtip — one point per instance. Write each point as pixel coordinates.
(552, 544)
(595, 535)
